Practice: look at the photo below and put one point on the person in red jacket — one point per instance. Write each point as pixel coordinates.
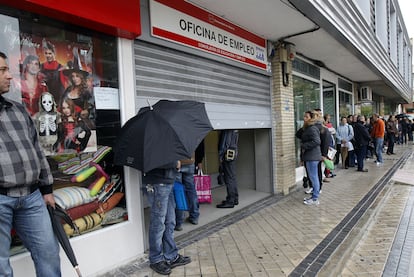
(377, 133)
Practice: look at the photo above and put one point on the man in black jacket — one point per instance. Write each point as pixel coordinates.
(228, 151)
(362, 139)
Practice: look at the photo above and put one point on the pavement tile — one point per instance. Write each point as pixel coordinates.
(276, 239)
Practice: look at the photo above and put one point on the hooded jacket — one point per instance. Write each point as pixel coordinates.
(311, 143)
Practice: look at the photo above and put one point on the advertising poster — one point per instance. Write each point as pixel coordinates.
(53, 78)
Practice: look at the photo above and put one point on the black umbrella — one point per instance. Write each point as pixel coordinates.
(161, 134)
(58, 214)
(401, 115)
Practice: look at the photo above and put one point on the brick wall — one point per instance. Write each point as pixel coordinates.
(283, 129)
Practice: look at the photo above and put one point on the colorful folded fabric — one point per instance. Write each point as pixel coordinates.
(82, 210)
(84, 223)
(76, 164)
(69, 197)
(116, 215)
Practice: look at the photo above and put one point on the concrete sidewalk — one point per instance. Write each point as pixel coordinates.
(350, 233)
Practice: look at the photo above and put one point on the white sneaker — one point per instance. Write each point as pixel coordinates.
(308, 190)
(311, 202)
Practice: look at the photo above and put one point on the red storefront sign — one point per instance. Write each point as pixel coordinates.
(118, 18)
(184, 23)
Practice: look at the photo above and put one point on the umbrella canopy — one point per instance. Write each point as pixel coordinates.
(58, 214)
(159, 135)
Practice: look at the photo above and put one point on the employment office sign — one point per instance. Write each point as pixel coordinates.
(184, 23)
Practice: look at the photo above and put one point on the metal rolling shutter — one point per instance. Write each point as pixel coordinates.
(234, 97)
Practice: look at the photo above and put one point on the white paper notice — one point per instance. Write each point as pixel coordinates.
(106, 98)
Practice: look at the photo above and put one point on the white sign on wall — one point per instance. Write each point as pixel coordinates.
(184, 23)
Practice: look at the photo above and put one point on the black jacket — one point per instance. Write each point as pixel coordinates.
(361, 135)
(161, 175)
(326, 138)
(311, 144)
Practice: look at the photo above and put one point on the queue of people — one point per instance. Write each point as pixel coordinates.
(357, 138)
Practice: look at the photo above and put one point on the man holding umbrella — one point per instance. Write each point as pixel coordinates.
(154, 141)
(25, 186)
(163, 252)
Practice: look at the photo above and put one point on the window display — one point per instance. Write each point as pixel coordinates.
(57, 71)
(307, 97)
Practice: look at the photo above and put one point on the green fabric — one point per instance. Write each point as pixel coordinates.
(329, 164)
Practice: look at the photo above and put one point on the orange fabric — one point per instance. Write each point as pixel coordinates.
(378, 129)
(110, 203)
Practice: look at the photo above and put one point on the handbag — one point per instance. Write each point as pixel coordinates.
(180, 198)
(203, 187)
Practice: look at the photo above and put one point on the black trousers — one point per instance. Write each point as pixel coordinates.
(229, 171)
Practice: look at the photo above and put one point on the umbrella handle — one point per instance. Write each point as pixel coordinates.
(78, 271)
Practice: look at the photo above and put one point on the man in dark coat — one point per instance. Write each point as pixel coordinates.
(228, 151)
(362, 139)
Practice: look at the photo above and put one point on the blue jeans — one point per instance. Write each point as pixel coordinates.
(162, 246)
(30, 218)
(312, 171)
(378, 148)
(187, 179)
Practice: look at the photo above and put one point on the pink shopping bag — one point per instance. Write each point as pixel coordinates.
(203, 187)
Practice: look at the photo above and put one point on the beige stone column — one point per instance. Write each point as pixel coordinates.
(283, 127)
(381, 106)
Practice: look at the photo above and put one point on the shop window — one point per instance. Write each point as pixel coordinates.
(306, 97)
(345, 104)
(68, 79)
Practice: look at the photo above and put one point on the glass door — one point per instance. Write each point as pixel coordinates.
(329, 100)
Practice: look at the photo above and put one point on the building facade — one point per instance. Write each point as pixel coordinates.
(257, 67)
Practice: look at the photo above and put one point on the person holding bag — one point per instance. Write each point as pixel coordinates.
(186, 177)
(228, 151)
(344, 135)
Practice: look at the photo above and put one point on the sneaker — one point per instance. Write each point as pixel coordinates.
(179, 260)
(308, 190)
(307, 198)
(311, 202)
(178, 228)
(193, 221)
(162, 268)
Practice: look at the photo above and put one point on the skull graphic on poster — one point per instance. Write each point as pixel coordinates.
(46, 122)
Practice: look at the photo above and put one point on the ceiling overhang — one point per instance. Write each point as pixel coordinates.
(280, 21)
